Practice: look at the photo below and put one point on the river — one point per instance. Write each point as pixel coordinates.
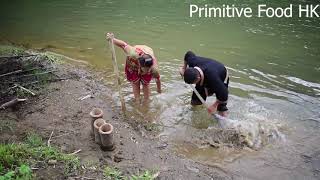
(274, 67)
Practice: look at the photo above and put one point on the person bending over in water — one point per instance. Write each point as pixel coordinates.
(141, 66)
(210, 76)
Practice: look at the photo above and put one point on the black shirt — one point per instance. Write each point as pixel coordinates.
(214, 74)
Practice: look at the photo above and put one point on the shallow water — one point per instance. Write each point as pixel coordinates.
(273, 63)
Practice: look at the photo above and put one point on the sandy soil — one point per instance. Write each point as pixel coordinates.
(57, 108)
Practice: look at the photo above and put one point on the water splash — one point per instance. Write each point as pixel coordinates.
(256, 126)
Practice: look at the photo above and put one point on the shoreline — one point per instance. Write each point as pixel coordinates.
(57, 109)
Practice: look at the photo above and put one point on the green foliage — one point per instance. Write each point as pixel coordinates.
(1, 169)
(112, 174)
(147, 175)
(34, 140)
(12, 155)
(149, 126)
(18, 155)
(7, 125)
(6, 50)
(8, 176)
(22, 173)
(21, 93)
(53, 58)
(25, 171)
(72, 163)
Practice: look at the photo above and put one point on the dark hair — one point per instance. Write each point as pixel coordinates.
(190, 75)
(189, 55)
(146, 60)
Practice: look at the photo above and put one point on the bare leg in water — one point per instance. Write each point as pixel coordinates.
(136, 91)
(146, 93)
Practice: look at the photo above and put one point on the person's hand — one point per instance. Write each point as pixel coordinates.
(181, 71)
(159, 90)
(213, 108)
(109, 36)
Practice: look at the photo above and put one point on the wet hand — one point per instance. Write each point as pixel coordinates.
(109, 36)
(212, 109)
(181, 71)
(159, 90)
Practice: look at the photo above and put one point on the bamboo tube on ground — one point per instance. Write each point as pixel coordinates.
(97, 124)
(106, 137)
(95, 113)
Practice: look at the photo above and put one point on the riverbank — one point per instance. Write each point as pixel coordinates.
(59, 113)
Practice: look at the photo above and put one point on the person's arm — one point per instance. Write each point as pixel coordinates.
(158, 82)
(221, 92)
(156, 75)
(122, 44)
(183, 68)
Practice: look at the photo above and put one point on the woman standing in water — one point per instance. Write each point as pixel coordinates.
(141, 66)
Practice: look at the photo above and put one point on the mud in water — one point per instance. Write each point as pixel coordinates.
(254, 135)
(217, 137)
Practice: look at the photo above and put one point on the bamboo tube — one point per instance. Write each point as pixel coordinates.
(97, 123)
(106, 137)
(95, 113)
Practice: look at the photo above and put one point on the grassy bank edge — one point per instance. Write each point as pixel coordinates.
(19, 160)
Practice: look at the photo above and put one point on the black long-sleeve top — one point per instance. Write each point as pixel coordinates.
(214, 74)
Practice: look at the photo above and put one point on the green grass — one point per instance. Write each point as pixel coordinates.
(7, 125)
(21, 173)
(150, 126)
(52, 58)
(147, 175)
(7, 50)
(114, 174)
(16, 159)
